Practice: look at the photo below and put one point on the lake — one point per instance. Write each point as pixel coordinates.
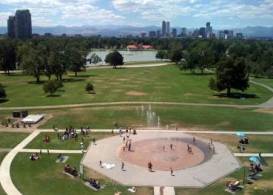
(128, 56)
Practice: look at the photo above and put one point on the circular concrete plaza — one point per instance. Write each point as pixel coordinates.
(196, 167)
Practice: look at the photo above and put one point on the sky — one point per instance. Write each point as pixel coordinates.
(181, 13)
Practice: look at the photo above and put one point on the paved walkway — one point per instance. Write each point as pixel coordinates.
(5, 177)
(269, 103)
(253, 154)
(52, 151)
(164, 190)
(221, 163)
(180, 130)
(130, 66)
(128, 103)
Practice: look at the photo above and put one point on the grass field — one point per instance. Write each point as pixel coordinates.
(2, 155)
(49, 178)
(268, 82)
(180, 116)
(9, 140)
(72, 144)
(166, 83)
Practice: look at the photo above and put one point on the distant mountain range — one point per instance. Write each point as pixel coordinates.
(256, 31)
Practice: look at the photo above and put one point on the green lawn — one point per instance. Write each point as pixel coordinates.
(72, 144)
(166, 83)
(2, 155)
(181, 116)
(257, 143)
(45, 177)
(9, 140)
(262, 186)
(268, 82)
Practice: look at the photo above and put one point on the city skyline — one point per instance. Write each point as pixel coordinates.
(191, 14)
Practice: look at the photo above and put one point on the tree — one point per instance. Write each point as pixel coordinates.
(94, 59)
(89, 87)
(231, 73)
(7, 56)
(2, 92)
(74, 60)
(50, 87)
(161, 54)
(56, 62)
(175, 56)
(32, 61)
(114, 59)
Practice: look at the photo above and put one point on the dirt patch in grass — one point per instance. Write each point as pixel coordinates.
(136, 93)
(264, 184)
(265, 110)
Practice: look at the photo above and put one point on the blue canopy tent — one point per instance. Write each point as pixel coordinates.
(255, 159)
(240, 134)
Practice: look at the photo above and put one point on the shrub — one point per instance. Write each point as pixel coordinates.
(89, 87)
(51, 87)
(2, 91)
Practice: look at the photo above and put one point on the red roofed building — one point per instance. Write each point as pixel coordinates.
(139, 47)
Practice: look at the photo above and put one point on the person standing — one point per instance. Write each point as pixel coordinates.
(122, 166)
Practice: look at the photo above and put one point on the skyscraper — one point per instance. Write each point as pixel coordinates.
(23, 27)
(208, 30)
(168, 26)
(11, 27)
(174, 33)
(164, 29)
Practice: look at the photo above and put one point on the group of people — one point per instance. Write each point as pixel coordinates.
(34, 156)
(94, 183)
(69, 133)
(70, 170)
(242, 143)
(255, 168)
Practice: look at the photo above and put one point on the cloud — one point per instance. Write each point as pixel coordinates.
(202, 9)
(64, 12)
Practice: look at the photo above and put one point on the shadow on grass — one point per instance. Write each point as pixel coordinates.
(237, 95)
(83, 76)
(53, 95)
(197, 73)
(36, 83)
(3, 100)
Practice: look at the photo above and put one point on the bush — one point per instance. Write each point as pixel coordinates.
(51, 87)
(212, 84)
(2, 91)
(89, 87)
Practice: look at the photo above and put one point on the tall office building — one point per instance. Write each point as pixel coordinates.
(19, 26)
(208, 30)
(168, 27)
(164, 29)
(174, 32)
(23, 27)
(11, 27)
(202, 32)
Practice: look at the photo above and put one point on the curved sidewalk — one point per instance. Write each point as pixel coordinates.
(5, 177)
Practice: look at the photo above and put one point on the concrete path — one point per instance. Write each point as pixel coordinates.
(180, 130)
(253, 154)
(106, 66)
(127, 103)
(269, 103)
(164, 190)
(5, 177)
(129, 66)
(52, 151)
